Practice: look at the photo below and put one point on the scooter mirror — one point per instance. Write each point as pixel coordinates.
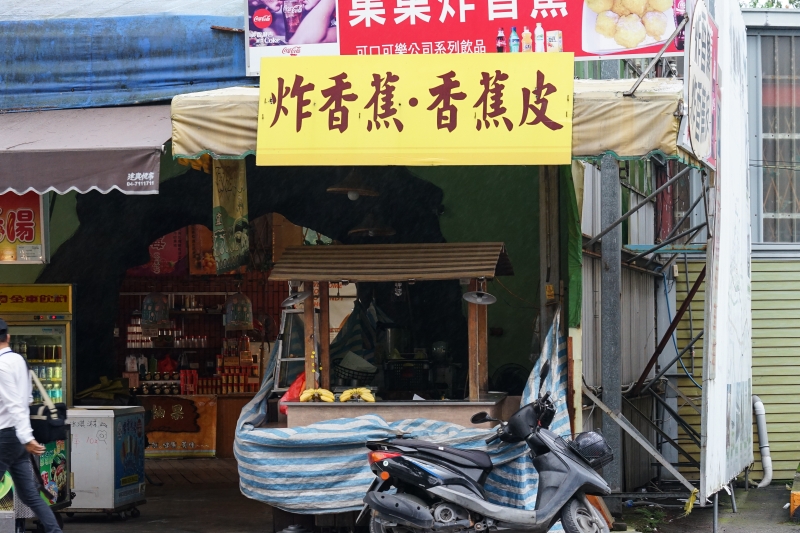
(482, 417)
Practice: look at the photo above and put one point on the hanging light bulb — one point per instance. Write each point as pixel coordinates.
(353, 186)
(373, 226)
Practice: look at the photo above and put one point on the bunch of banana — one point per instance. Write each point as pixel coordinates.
(317, 395)
(362, 393)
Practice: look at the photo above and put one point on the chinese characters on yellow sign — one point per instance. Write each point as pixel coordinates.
(493, 109)
(35, 298)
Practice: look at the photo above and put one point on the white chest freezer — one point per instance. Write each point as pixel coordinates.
(107, 458)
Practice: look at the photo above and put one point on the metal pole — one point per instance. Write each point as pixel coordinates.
(610, 315)
(733, 500)
(668, 334)
(715, 522)
(674, 360)
(667, 242)
(657, 58)
(626, 216)
(678, 224)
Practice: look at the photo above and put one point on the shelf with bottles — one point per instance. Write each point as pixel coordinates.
(44, 361)
(54, 391)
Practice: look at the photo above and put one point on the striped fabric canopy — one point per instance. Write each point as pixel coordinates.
(322, 468)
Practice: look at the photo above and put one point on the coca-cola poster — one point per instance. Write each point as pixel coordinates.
(590, 29)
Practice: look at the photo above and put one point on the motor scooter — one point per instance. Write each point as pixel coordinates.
(423, 487)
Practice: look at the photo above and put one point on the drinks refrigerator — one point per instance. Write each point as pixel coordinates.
(39, 321)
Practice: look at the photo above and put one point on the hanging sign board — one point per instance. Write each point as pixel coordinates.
(23, 228)
(512, 109)
(231, 225)
(590, 29)
(702, 85)
(727, 421)
(168, 257)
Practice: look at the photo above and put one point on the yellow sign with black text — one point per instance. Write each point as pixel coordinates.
(470, 109)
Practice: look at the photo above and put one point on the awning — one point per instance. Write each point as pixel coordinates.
(629, 126)
(83, 150)
(393, 262)
(223, 123)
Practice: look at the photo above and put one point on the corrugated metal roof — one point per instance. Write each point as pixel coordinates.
(27, 10)
(393, 262)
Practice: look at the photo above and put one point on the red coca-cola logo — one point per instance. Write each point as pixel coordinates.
(291, 50)
(262, 18)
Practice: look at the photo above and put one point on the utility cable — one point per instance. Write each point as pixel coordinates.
(674, 341)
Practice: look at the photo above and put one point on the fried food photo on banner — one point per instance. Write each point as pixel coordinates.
(630, 22)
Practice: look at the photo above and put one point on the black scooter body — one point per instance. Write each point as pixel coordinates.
(436, 473)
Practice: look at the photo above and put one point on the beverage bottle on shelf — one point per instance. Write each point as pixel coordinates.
(679, 9)
(538, 38)
(513, 40)
(527, 40)
(501, 41)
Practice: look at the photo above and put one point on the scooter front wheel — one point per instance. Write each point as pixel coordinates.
(578, 516)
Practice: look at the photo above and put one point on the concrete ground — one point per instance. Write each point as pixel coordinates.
(197, 496)
(202, 496)
(760, 511)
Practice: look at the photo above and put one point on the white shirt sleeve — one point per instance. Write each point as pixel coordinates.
(17, 401)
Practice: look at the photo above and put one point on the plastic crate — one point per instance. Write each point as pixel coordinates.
(363, 378)
(407, 375)
(592, 447)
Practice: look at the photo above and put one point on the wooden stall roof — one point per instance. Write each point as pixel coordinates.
(393, 262)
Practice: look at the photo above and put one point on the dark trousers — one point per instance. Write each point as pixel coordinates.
(15, 460)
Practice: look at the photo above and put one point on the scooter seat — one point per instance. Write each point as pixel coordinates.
(468, 458)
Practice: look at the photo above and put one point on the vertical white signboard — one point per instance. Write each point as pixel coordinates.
(727, 436)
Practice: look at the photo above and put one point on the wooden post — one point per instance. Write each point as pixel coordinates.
(478, 330)
(483, 349)
(324, 335)
(308, 331)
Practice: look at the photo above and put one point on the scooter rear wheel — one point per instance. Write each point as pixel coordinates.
(578, 516)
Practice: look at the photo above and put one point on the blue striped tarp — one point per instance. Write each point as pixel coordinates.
(322, 468)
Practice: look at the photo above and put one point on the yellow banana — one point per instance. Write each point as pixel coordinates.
(325, 393)
(346, 395)
(307, 395)
(367, 396)
(326, 398)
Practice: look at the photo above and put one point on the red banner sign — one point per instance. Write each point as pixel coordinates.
(588, 28)
(168, 257)
(22, 229)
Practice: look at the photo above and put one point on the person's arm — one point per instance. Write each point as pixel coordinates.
(17, 402)
(314, 27)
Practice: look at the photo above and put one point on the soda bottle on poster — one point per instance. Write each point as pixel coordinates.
(292, 14)
(527, 40)
(679, 9)
(501, 41)
(513, 40)
(538, 38)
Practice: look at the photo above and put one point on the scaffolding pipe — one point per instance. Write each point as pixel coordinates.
(667, 242)
(668, 335)
(674, 360)
(641, 204)
(678, 225)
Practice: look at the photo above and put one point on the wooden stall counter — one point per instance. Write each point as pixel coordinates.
(193, 425)
(453, 411)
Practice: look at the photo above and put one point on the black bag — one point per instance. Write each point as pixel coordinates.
(48, 421)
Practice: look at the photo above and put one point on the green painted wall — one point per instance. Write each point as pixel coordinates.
(498, 204)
